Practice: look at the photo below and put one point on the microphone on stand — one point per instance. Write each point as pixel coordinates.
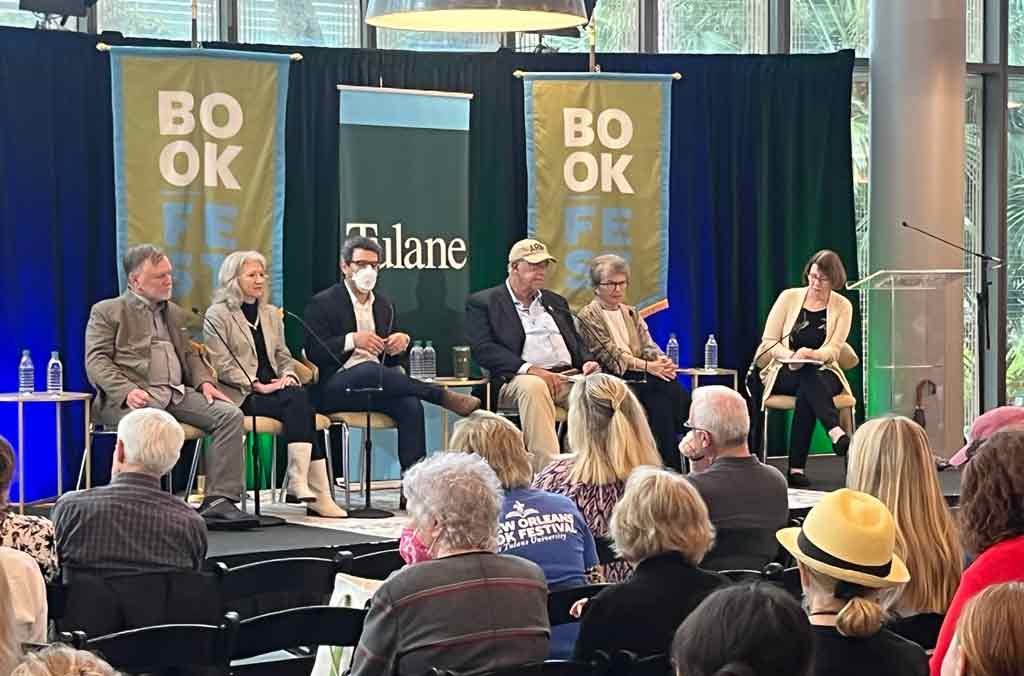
(264, 521)
(984, 331)
(315, 335)
(799, 326)
(583, 326)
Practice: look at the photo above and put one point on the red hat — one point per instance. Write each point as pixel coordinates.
(987, 424)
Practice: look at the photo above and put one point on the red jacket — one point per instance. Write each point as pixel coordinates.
(1003, 562)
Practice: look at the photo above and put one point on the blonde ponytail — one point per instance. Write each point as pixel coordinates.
(860, 617)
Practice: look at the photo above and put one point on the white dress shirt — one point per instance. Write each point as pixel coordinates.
(544, 347)
(364, 322)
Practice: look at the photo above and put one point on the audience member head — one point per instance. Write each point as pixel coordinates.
(984, 426)
(148, 271)
(608, 431)
(992, 492)
(845, 553)
(720, 421)
(6, 471)
(989, 638)
(825, 272)
(10, 634)
(148, 442)
(454, 503)
(243, 276)
(360, 262)
(891, 460)
(58, 659)
(528, 263)
(660, 512)
(497, 441)
(746, 630)
(609, 276)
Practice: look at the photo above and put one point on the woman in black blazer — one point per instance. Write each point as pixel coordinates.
(661, 526)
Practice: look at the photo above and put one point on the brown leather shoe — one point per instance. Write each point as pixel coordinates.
(460, 404)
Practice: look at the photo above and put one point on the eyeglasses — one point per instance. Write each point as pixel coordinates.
(366, 264)
(693, 428)
(814, 277)
(614, 285)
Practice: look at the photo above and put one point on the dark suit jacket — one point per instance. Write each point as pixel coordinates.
(642, 614)
(330, 316)
(496, 335)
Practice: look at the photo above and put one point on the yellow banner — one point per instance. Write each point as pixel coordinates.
(199, 159)
(597, 157)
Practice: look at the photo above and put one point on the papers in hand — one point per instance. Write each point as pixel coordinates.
(791, 360)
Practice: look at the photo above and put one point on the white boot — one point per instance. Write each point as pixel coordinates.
(323, 506)
(298, 471)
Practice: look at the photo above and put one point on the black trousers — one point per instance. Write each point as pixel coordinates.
(401, 399)
(293, 408)
(667, 405)
(813, 389)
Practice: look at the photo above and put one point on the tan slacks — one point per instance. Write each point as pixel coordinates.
(531, 397)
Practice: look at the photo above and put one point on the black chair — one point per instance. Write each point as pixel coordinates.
(626, 663)
(294, 630)
(605, 553)
(923, 629)
(741, 548)
(559, 602)
(741, 574)
(164, 647)
(546, 668)
(268, 586)
(100, 605)
(378, 565)
(787, 578)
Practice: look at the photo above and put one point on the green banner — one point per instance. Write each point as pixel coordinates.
(597, 157)
(199, 158)
(404, 174)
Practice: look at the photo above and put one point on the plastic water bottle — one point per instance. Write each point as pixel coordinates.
(711, 353)
(416, 360)
(672, 349)
(26, 374)
(54, 375)
(429, 361)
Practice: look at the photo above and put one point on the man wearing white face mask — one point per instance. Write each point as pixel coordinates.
(350, 329)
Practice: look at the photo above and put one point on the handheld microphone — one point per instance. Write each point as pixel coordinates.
(313, 333)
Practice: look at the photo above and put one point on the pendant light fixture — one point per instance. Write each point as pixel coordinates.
(489, 16)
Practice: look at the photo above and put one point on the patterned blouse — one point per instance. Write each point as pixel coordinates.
(34, 536)
(594, 502)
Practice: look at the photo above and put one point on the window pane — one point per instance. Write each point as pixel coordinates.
(1016, 37)
(10, 15)
(829, 25)
(973, 187)
(713, 26)
(976, 30)
(167, 19)
(390, 38)
(618, 30)
(321, 23)
(1015, 243)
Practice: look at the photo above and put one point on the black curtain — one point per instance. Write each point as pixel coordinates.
(761, 177)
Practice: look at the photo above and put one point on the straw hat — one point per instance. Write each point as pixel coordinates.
(848, 536)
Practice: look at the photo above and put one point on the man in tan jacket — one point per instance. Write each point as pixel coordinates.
(137, 354)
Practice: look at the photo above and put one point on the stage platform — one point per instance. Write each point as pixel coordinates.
(310, 536)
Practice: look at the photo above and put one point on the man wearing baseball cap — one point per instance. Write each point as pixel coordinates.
(524, 335)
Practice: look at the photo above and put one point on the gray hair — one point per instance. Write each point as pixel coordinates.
(349, 246)
(723, 413)
(608, 264)
(228, 291)
(139, 254)
(152, 438)
(462, 494)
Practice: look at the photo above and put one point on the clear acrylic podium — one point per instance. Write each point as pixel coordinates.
(903, 353)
